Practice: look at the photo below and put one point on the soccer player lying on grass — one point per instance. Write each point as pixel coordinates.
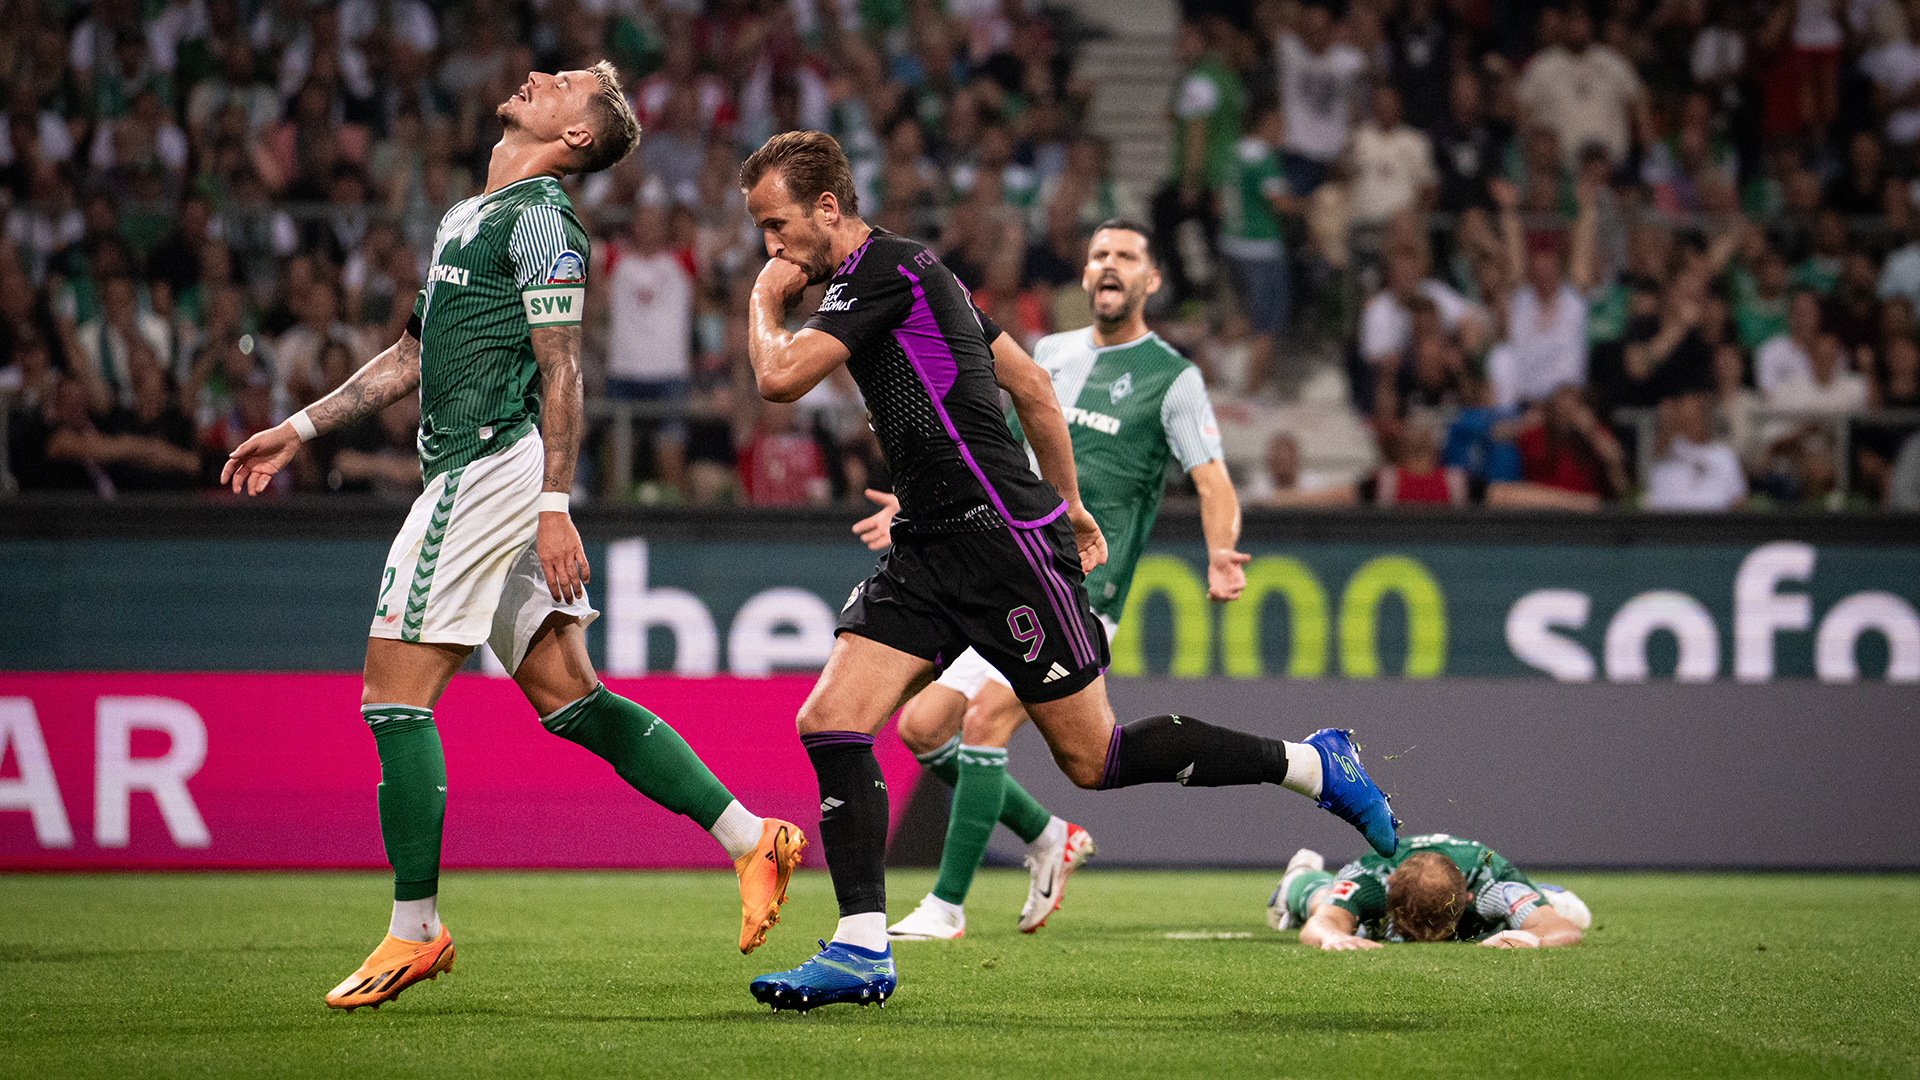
(985, 555)
(1132, 405)
(489, 552)
(1436, 888)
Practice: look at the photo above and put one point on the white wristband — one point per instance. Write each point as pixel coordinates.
(551, 502)
(303, 426)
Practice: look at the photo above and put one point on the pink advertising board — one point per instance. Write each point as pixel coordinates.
(122, 771)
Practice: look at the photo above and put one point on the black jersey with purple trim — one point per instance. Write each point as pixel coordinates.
(922, 362)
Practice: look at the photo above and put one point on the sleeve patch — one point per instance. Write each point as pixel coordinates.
(1342, 890)
(555, 305)
(567, 268)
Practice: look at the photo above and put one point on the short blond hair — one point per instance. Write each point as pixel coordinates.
(616, 131)
(1426, 896)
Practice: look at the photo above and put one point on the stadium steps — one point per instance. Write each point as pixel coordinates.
(1132, 72)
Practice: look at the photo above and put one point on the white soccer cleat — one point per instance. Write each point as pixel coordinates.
(1571, 908)
(929, 922)
(1047, 872)
(1304, 860)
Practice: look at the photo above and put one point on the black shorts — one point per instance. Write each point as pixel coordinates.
(1016, 595)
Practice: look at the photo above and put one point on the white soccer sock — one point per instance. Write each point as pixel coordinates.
(1050, 837)
(955, 911)
(867, 930)
(1303, 770)
(415, 920)
(737, 830)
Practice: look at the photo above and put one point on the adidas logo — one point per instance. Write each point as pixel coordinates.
(1056, 672)
(829, 803)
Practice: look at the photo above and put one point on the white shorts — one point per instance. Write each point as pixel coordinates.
(970, 671)
(463, 569)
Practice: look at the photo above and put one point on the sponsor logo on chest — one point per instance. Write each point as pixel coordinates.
(833, 302)
(451, 275)
(1087, 418)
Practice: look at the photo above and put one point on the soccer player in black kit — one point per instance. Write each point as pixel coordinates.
(985, 553)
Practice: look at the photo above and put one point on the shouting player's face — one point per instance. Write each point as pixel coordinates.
(1119, 275)
(793, 232)
(549, 107)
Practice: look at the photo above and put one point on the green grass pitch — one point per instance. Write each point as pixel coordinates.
(635, 974)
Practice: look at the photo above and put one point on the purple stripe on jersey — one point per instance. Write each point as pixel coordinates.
(1053, 600)
(926, 348)
(1062, 595)
(853, 260)
(1112, 772)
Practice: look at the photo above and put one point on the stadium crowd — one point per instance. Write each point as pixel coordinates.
(1649, 252)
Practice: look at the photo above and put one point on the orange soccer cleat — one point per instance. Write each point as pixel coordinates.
(394, 966)
(763, 874)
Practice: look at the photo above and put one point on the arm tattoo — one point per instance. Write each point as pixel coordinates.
(557, 350)
(386, 379)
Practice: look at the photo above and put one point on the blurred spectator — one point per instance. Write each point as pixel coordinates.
(1250, 237)
(1480, 439)
(1690, 469)
(1546, 325)
(1567, 448)
(107, 342)
(1786, 357)
(378, 453)
(1207, 107)
(1466, 148)
(1421, 43)
(1431, 376)
(1826, 388)
(1320, 80)
(1736, 406)
(1903, 485)
(1851, 311)
(1386, 326)
(1861, 189)
(649, 292)
(1666, 355)
(1392, 163)
(1585, 92)
(780, 465)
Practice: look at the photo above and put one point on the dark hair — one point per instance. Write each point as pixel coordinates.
(810, 164)
(615, 130)
(1132, 226)
(1426, 896)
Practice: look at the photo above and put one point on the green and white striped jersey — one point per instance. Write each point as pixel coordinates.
(503, 262)
(1503, 897)
(1130, 408)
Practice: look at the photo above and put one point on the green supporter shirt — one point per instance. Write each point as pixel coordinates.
(1755, 318)
(1210, 93)
(503, 263)
(1502, 897)
(1249, 229)
(1130, 409)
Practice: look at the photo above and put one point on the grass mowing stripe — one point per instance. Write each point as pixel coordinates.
(592, 974)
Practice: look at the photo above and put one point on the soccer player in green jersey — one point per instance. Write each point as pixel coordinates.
(1132, 404)
(489, 552)
(1435, 888)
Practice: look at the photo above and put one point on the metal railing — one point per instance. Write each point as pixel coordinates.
(1840, 427)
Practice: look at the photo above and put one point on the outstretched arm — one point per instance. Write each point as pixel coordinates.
(1220, 521)
(387, 378)
(1544, 929)
(1333, 928)
(1046, 430)
(786, 366)
(556, 349)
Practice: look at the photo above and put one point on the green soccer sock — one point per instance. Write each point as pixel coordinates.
(976, 806)
(413, 795)
(647, 753)
(1019, 810)
(1301, 889)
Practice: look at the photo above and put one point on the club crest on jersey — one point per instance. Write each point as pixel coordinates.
(832, 301)
(1121, 387)
(567, 268)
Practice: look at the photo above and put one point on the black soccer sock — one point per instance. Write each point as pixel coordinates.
(853, 817)
(1182, 750)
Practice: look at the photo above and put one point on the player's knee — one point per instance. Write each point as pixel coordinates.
(919, 729)
(1085, 772)
(990, 724)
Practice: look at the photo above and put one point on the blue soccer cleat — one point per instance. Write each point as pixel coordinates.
(838, 972)
(1346, 790)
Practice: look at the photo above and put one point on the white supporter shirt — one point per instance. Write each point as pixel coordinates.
(1390, 169)
(1585, 98)
(1696, 477)
(1317, 94)
(1780, 360)
(651, 315)
(1545, 348)
(1386, 327)
(1895, 68)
